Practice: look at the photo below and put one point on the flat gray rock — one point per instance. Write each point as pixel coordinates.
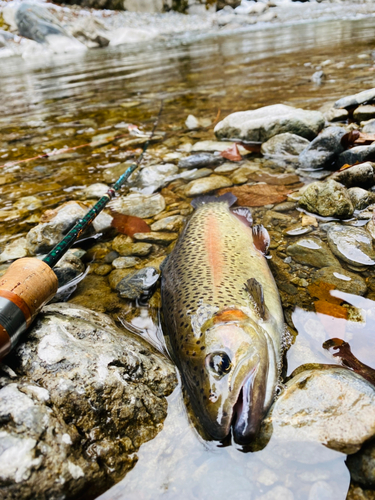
(80, 399)
(286, 144)
(263, 123)
(312, 251)
(356, 99)
(358, 154)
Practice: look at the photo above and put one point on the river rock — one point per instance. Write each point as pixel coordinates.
(369, 127)
(172, 223)
(216, 146)
(96, 190)
(362, 466)
(351, 244)
(336, 115)
(68, 267)
(312, 251)
(343, 280)
(102, 222)
(206, 185)
(196, 173)
(326, 404)
(36, 22)
(150, 179)
(125, 262)
(286, 144)
(363, 113)
(201, 160)
(356, 99)
(139, 205)
(327, 198)
(361, 198)
(43, 237)
(124, 247)
(29, 203)
(263, 123)
(159, 238)
(16, 249)
(358, 154)
(138, 283)
(75, 373)
(323, 150)
(358, 175)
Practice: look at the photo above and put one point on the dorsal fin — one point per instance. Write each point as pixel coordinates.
(244, 215)
(203, 200)
(255, 289)
(261, 238)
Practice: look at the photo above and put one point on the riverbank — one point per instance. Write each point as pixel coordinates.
(72, 28)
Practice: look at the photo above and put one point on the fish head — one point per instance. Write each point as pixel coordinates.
(238, 373)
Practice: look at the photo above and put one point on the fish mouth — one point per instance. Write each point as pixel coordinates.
(248, 411)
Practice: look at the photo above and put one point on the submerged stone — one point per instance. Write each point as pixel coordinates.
(76, 372)
(263, 123)
(327, 198)
(206, 185)
(343, 280)
(158, 237)
(14, 250)
(351, 244)
(138, 283)
(139, 205)
(172, 223)
(312, 251)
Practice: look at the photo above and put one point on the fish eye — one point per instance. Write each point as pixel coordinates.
(219, 363)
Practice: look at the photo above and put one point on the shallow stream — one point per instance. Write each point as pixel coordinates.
(46, 106)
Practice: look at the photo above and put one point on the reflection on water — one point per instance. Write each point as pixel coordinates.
(67, 102)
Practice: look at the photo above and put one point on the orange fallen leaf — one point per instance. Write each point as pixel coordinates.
(329, 309)
(321, 290)
(129, 224)
(232, 153)
(257, 195)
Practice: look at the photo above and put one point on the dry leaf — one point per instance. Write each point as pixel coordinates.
(232, 153)
(129, 224)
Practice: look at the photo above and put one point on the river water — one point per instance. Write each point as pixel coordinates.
(66, 102)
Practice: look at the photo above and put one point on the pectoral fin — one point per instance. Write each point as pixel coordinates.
(261, 238)
(255, 289)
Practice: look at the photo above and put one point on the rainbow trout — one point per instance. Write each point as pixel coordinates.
(223, 316)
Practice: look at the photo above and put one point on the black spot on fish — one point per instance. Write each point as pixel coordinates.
(203, 347)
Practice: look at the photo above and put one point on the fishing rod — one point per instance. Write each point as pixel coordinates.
(29, 283)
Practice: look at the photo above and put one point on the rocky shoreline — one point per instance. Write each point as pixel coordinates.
(42, 29)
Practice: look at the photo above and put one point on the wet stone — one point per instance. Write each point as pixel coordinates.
(368, 127)
(361, 198)
(362, 466)
(200, 160)
(196, 173)
(160, 238)
(312, 251)
(138, 283)
(323, 150)
(226, 168)
(172, 223)
(124, 247)
(286, 144)
(326, 404)
(336, 115)
(263, 123)
(68, 267)
(215, 146)
(356, 99)
(95, 191)
(356, 176)
(351, 244)
(103, 269)
(363, 113)
(327, 198)
(150, 179)
(73, 362)
(358, 154)
(14, 250)
(343, 280)
(125, 262)
(206, 185)
(139, 205)
(28, 203)
(46, 235)
(286, 206)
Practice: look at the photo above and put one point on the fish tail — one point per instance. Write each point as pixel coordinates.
(203, 200)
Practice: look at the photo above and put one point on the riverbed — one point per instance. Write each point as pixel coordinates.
(50, 108)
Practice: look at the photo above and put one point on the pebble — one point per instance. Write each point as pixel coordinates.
(125, 262)
(363, 113)
(368, 127)
(356, 176)
(323, 150)
(28, 203)
(138, 283)
(326, 404)
(197, 173)
(286, 144)
(200, 160)
(103, 269)
(160, 238)
(216, 146)
(351, 244)
(139, 205)
(150, 179)
(343, 280)
(358, 154)
(327, 198)
(95, 191)
(206, 185)
(312, 251)
(124, 247)
(172, 223)
(355, 100)
(263, 123)
(226, 168)
(14, 250)
(361, 198)
(286, 206)
(336, 115)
